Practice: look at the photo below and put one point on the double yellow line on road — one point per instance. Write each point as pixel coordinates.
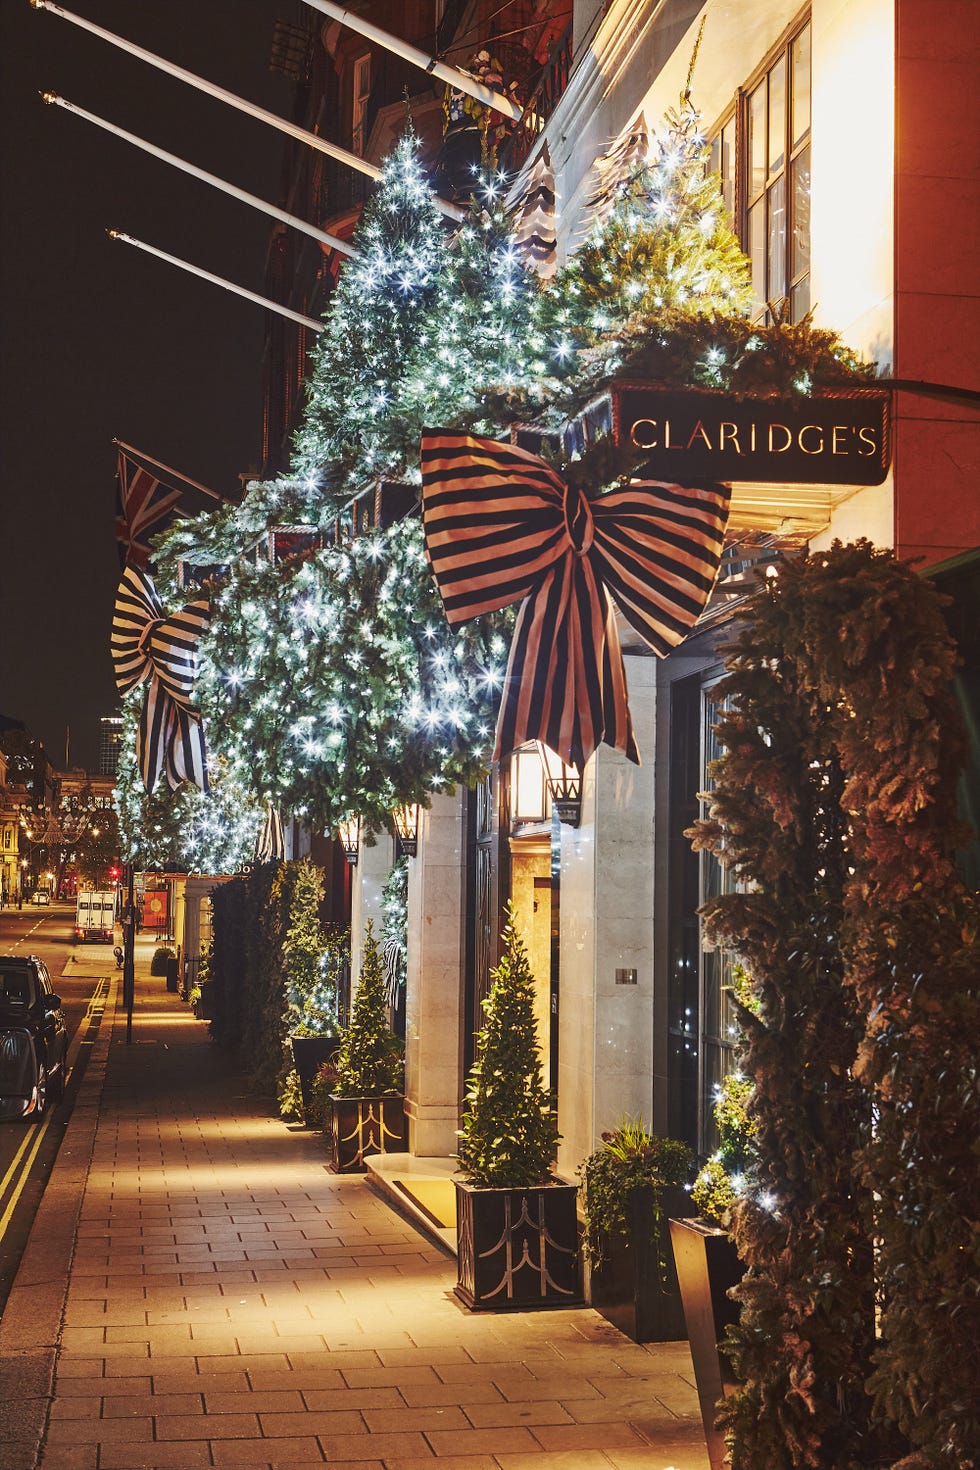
(23, 1160)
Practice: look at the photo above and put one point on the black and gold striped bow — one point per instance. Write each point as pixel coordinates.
(501, 526)
(149, 647)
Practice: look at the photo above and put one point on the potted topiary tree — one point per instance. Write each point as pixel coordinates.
(368, 1103)
(630, 1185)
(517, 1230)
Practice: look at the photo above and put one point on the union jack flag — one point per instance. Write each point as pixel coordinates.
(143, 504)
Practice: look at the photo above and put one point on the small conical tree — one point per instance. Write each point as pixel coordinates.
(309, 990)
(509, 1138)
(369, 1062)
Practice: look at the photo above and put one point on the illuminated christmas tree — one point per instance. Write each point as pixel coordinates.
(377, 313)
(661, 252)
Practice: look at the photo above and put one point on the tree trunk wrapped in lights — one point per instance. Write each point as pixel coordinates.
(834, 804)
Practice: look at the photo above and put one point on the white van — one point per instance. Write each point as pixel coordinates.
(95, 915)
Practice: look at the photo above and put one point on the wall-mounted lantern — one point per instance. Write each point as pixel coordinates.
(528, 791)
(564, 786)
(349, 833)
(406, 820)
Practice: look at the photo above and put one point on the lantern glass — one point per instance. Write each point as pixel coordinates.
(529, 796)
(406, 820)
(349, 833)
(564, 785)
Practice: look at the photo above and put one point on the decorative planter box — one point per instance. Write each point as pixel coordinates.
(628, 1288)
(707, 1265)
(518, 1248)
(366, 1125)
(309, 1055)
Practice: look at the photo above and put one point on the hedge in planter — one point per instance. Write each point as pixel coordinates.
(631, 1183)
(368, 1104)
(517, 1229)
(835, 804)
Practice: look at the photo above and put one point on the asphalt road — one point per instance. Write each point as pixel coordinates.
(80, 973)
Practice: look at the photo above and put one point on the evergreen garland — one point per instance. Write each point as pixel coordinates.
(509, 1138)
(834, 805)
(186, 830)
(341, 680)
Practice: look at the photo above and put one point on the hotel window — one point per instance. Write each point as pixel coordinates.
(762, 152)
(362, 92)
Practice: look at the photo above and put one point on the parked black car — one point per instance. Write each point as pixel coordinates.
(33, 1038)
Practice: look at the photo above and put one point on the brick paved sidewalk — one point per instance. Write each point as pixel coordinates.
(233, 1303)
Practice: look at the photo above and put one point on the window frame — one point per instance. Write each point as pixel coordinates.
(745, 198)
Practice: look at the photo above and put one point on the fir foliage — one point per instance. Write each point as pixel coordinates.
(664, 252)
(369, 1062)
(834, 804)
(380, 308)
(311, 996)
(509, 1138)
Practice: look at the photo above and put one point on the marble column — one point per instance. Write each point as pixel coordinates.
(605, 1060)
(434, 985)
(374, 862)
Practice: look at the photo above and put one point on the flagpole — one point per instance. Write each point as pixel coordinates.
(195, 270)
(461, 80)
(168, 469)
(293, 130)
(342, 246)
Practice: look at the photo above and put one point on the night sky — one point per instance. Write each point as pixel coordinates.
(100, 340)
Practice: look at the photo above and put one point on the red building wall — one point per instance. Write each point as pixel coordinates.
(937, 275)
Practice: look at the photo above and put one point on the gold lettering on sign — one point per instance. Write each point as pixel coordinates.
(835, 445)
(867, 436)
(775, 448)
(818, 448)
(667, 443)
(728, 430)
(752, 436)
(644, 433)
(699, 432)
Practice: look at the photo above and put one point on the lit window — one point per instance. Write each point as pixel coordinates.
(769, 195)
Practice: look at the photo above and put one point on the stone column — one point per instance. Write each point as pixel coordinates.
(434, 985)
(605, 1057)
(373, 866)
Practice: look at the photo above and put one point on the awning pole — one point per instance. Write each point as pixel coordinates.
(454, 75)
(195, 270)
(199, 173)
(293, 130)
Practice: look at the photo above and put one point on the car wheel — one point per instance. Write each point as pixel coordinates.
(41, 1090)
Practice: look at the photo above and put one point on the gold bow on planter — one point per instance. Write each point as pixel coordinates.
(149, 647)
(501, 526)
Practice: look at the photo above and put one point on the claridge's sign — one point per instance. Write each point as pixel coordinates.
(838, 437)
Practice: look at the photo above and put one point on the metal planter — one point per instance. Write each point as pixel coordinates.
(366, 1125)
(707, 1266)
(518, 1248)
(628, 1288)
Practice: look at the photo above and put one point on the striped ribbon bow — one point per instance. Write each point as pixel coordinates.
(270, 845)
(501, 526)
(149, 647)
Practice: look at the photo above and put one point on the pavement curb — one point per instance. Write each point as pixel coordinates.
(30, 1329)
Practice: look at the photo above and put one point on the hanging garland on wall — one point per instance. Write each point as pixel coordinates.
(330, 682)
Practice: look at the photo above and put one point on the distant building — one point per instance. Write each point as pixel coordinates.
(110, 734)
